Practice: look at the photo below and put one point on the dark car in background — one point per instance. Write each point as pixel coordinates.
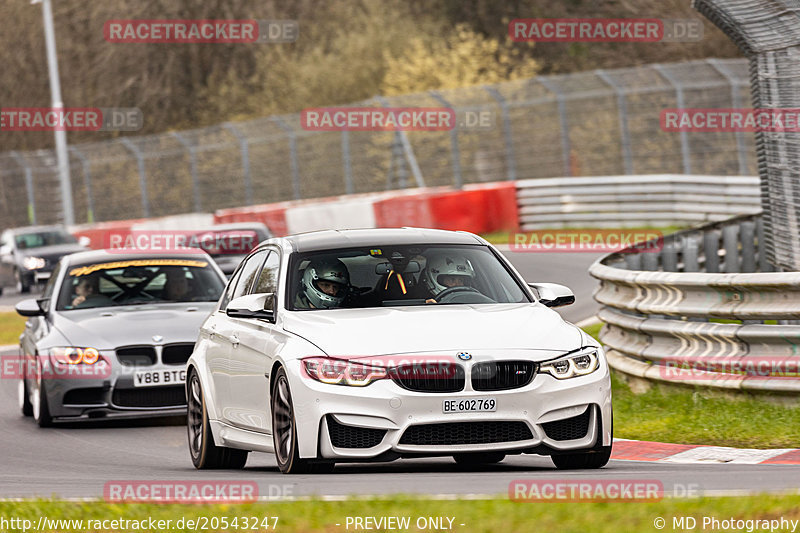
(228, 244)
(29, 255)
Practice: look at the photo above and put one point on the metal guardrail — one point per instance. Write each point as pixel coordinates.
(664, 307)
(599, 123)
(629, 201)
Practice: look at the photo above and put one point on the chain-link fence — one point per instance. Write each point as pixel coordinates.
(585, 124)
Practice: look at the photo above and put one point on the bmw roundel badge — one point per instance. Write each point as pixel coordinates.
(464, 356)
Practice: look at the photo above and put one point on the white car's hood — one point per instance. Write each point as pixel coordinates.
(434, 329)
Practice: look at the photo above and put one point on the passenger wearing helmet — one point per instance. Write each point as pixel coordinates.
(324, 285)
(446, 270)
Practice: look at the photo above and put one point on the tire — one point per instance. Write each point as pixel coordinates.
(1, 291)
(22, 287)
(205, 454)
(598, 457)
(479, 458)
(284, 432)
(40, 408)
(25, 404)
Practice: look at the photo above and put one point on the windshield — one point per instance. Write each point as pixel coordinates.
(43, 238)
(386, 276)
(136, 282)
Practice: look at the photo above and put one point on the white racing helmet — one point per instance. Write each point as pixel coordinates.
(446, 264)
(331, 270)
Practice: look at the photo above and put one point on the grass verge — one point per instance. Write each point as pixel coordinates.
(11, 326)
(498, 514)
(695, 415)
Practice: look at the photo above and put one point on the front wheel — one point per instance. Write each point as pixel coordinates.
(40, 409)
(22, 287)
(284, 432)
(205, 454)
(25, 404)
(598, 457)
(581, 461)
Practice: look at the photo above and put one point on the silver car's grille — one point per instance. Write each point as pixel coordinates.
(171, 396)
(177, 354)
(136, 355)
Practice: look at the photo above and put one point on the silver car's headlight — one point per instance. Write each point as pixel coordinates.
(572, 365)
(32, 263)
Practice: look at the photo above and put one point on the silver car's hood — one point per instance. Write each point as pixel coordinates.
(435, 329)
(109, 327)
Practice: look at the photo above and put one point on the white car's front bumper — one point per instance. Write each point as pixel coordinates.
(389, 411)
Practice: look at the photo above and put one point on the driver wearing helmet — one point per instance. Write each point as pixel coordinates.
(324, 285)
(444, 271)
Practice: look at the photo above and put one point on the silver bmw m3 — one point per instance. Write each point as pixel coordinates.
(111, 335)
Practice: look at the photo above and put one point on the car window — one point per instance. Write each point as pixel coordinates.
(139, 282)
(394, 275)
(51, 284)
(25, 241)
(229, 289)
(250, 270)
(268, 280)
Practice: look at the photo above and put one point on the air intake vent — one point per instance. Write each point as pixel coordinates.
(570, 428)
(343, 436)
(456, 433)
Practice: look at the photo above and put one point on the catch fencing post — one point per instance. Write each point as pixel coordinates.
(137, 153)
(348, 170)
(680, 102)
(736, 102)
(87, 182)
(566, 148)
(28, 185)
(198, 202)
(292, 154)
(244, 148)
(622, 105)
(511, 161)
(455, 151)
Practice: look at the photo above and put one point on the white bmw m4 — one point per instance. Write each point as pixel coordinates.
(373, 345)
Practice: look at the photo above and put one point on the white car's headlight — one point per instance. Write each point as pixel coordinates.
(32, 263)
(570, 366)
(342, 372)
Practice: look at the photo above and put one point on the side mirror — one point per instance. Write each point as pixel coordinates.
(553, 294)
(85, 241)
(29, 307)
(253, 306)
